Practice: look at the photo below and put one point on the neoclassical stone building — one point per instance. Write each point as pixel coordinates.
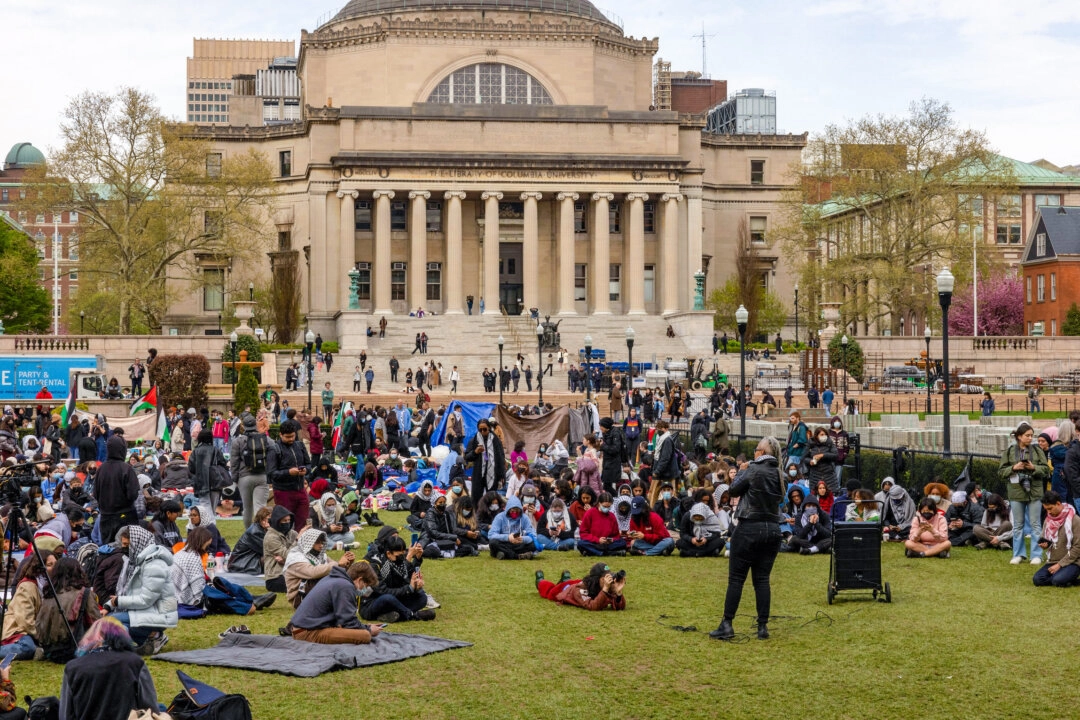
(506, 150)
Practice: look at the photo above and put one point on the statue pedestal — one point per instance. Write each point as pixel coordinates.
(245, 310)
(351, 330)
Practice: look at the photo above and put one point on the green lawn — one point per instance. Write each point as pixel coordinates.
(965, 633)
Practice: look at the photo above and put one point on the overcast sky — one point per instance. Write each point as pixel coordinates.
(1006, 66)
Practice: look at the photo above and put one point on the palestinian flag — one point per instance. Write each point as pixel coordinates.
(163, 432)
(339, 421)
(67, 413)
(149, 401)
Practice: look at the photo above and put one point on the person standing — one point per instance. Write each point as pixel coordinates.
(481, 304)
(423, 343)
(485, 452)
(136, 372)
(987, 405)
(328, 401)
(369, 377)
(723, 343)
(287, 463)
(318, 343)
(247, 463)
(827, 399)
(1023, 466)
(363, 359)
(528, 378)
(454, 377)
(756, 539)
(116, 487)
(290, 377)
(382, 327)
(416, 345)
(469, 303)
(357, 378)
(394, 366)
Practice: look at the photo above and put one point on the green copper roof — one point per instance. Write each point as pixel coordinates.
(23, 155)
(1028, 174)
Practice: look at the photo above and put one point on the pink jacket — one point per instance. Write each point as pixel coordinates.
(221, 429)
(929, 532)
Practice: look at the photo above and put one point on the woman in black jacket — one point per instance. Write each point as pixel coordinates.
(820, 460)
(106, 680)
(247, 555)
(756, 539)
(485, 452)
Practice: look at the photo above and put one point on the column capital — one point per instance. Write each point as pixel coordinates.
(668, 197)
(637, 196)
(454, 195)
(603, 196)
(532, 196)
(567, 196)
(413, 194)
(350, 193)
(491, 194)
(388, 194)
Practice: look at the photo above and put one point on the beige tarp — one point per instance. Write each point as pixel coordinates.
(533, 430)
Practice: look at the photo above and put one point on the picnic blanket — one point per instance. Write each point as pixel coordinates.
(266, 653)
(244, 580)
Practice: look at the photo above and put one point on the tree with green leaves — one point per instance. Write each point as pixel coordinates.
(159, 206)
(1071, 326)
(247, 391)
(854, 356)
(766, 310)
(24, 303)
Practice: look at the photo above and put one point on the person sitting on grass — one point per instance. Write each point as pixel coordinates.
(145, 600)
(1061, 542)
(586, 499)
(440, 538)
(512, 536)
(599, 530)
(218, 546)
(466, 527)
(20, 618)
(421, 505)
(995, 529)
(863, 508)
(898, 511)
(491, 504)
(929, 532)
(844, 499)
(823, 496)
(247, 554)
(962, 518)
(399, 595)
(196, 597)
(792, 511)
(598, 590)
(328, 516)
(279, 540)
(555, 529)
(707, 535)
(307, 563)
(106, 680)
(647, 533)
(166, 532)
(77, 601)
(939, 493)
(666, 503)
(813, 531)
(327, 615)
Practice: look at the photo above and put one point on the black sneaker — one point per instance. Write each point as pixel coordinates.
(424, 615)
(539, 577)
(525, 556)
(500, 555)
(262, 602)
(724, 632)
(388, 618)
(565, 576)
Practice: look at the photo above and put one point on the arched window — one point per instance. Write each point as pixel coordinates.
(490, 84)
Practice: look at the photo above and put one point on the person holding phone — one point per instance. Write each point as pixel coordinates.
(1061, 542)
(287, 462)
(1023, 466)
(399, 595)
(327, 614)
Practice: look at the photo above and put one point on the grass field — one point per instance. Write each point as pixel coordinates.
(964, 637)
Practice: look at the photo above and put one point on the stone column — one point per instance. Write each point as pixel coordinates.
(347, 248)
(566, 252)
(490, 287)
(669, 263)
(317, 281)
(381, 260)
(418, 248)
(601, 255)
(330, 255)
(693, 245)
(635, 255)
(452, 271)
(530, 251)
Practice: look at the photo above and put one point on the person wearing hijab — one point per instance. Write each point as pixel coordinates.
(813, 531)
(145, 600)
(622, 507)
(307, 563)
(329, 518)
(318, 488)
(898, 510)
(218, 546)
(421, 505)
(555, 529)
(279, 539)
(707, 536)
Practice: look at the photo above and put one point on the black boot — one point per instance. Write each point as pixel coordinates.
(373, 520)
(762, 630)
(724, 632)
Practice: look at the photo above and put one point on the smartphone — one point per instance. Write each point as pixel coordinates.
(415, 539)
(378, 625)
(6, 662)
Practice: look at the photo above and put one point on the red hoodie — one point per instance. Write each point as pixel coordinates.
(596, 525)
(653, 528)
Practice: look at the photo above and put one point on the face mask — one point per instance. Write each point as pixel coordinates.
(456, 489)
(530, 501)
(441, 507)
(935, 498)
(514, 514)
(665, 495)
(466, 513)
(928, 515)
(393, 455)
(556, 515)
(284, 527)
(836, 425)
(821, 438)
(605, 510)
(793, 473)
(494, 507)
(365, 592)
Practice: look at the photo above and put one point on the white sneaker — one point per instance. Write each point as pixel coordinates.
(1016, 560)
(432, 603)
(1036, 560)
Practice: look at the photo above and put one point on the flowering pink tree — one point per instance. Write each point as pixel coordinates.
(1001, 307)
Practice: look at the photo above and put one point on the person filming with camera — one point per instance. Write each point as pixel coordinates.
(599, 590)
(1024, 467)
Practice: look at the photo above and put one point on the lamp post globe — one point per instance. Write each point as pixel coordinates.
(945, 284)
(742, 317)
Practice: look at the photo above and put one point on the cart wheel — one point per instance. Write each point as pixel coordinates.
(831, 592)
(888, 593)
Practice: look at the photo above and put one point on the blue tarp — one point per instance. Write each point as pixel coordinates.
(471, 413)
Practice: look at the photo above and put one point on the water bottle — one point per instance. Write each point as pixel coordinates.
(219, 562)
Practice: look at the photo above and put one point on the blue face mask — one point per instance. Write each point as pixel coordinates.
(366, 591)
(605, 510)
(666, 495)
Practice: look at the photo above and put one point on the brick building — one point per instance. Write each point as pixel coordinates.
(1051, 268)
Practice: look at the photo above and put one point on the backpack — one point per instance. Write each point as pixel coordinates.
(43, 708)
(87, 556)
(254, 454)
(199, 701)
(80, 620)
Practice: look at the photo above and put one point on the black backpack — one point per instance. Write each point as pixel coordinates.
(255, 450)
(218, 706)
(43, 708)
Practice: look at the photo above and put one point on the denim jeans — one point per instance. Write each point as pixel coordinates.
(754, 546)
(388, 603)
(658, 549)
(545, 543)
(596, 550)
(138, 634)
(1026, 520)
(21, 649)
(1065, 576)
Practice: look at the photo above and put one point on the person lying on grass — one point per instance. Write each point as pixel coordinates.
(598, 590)
(1061, 542)
(929, 533)
(327, 614)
